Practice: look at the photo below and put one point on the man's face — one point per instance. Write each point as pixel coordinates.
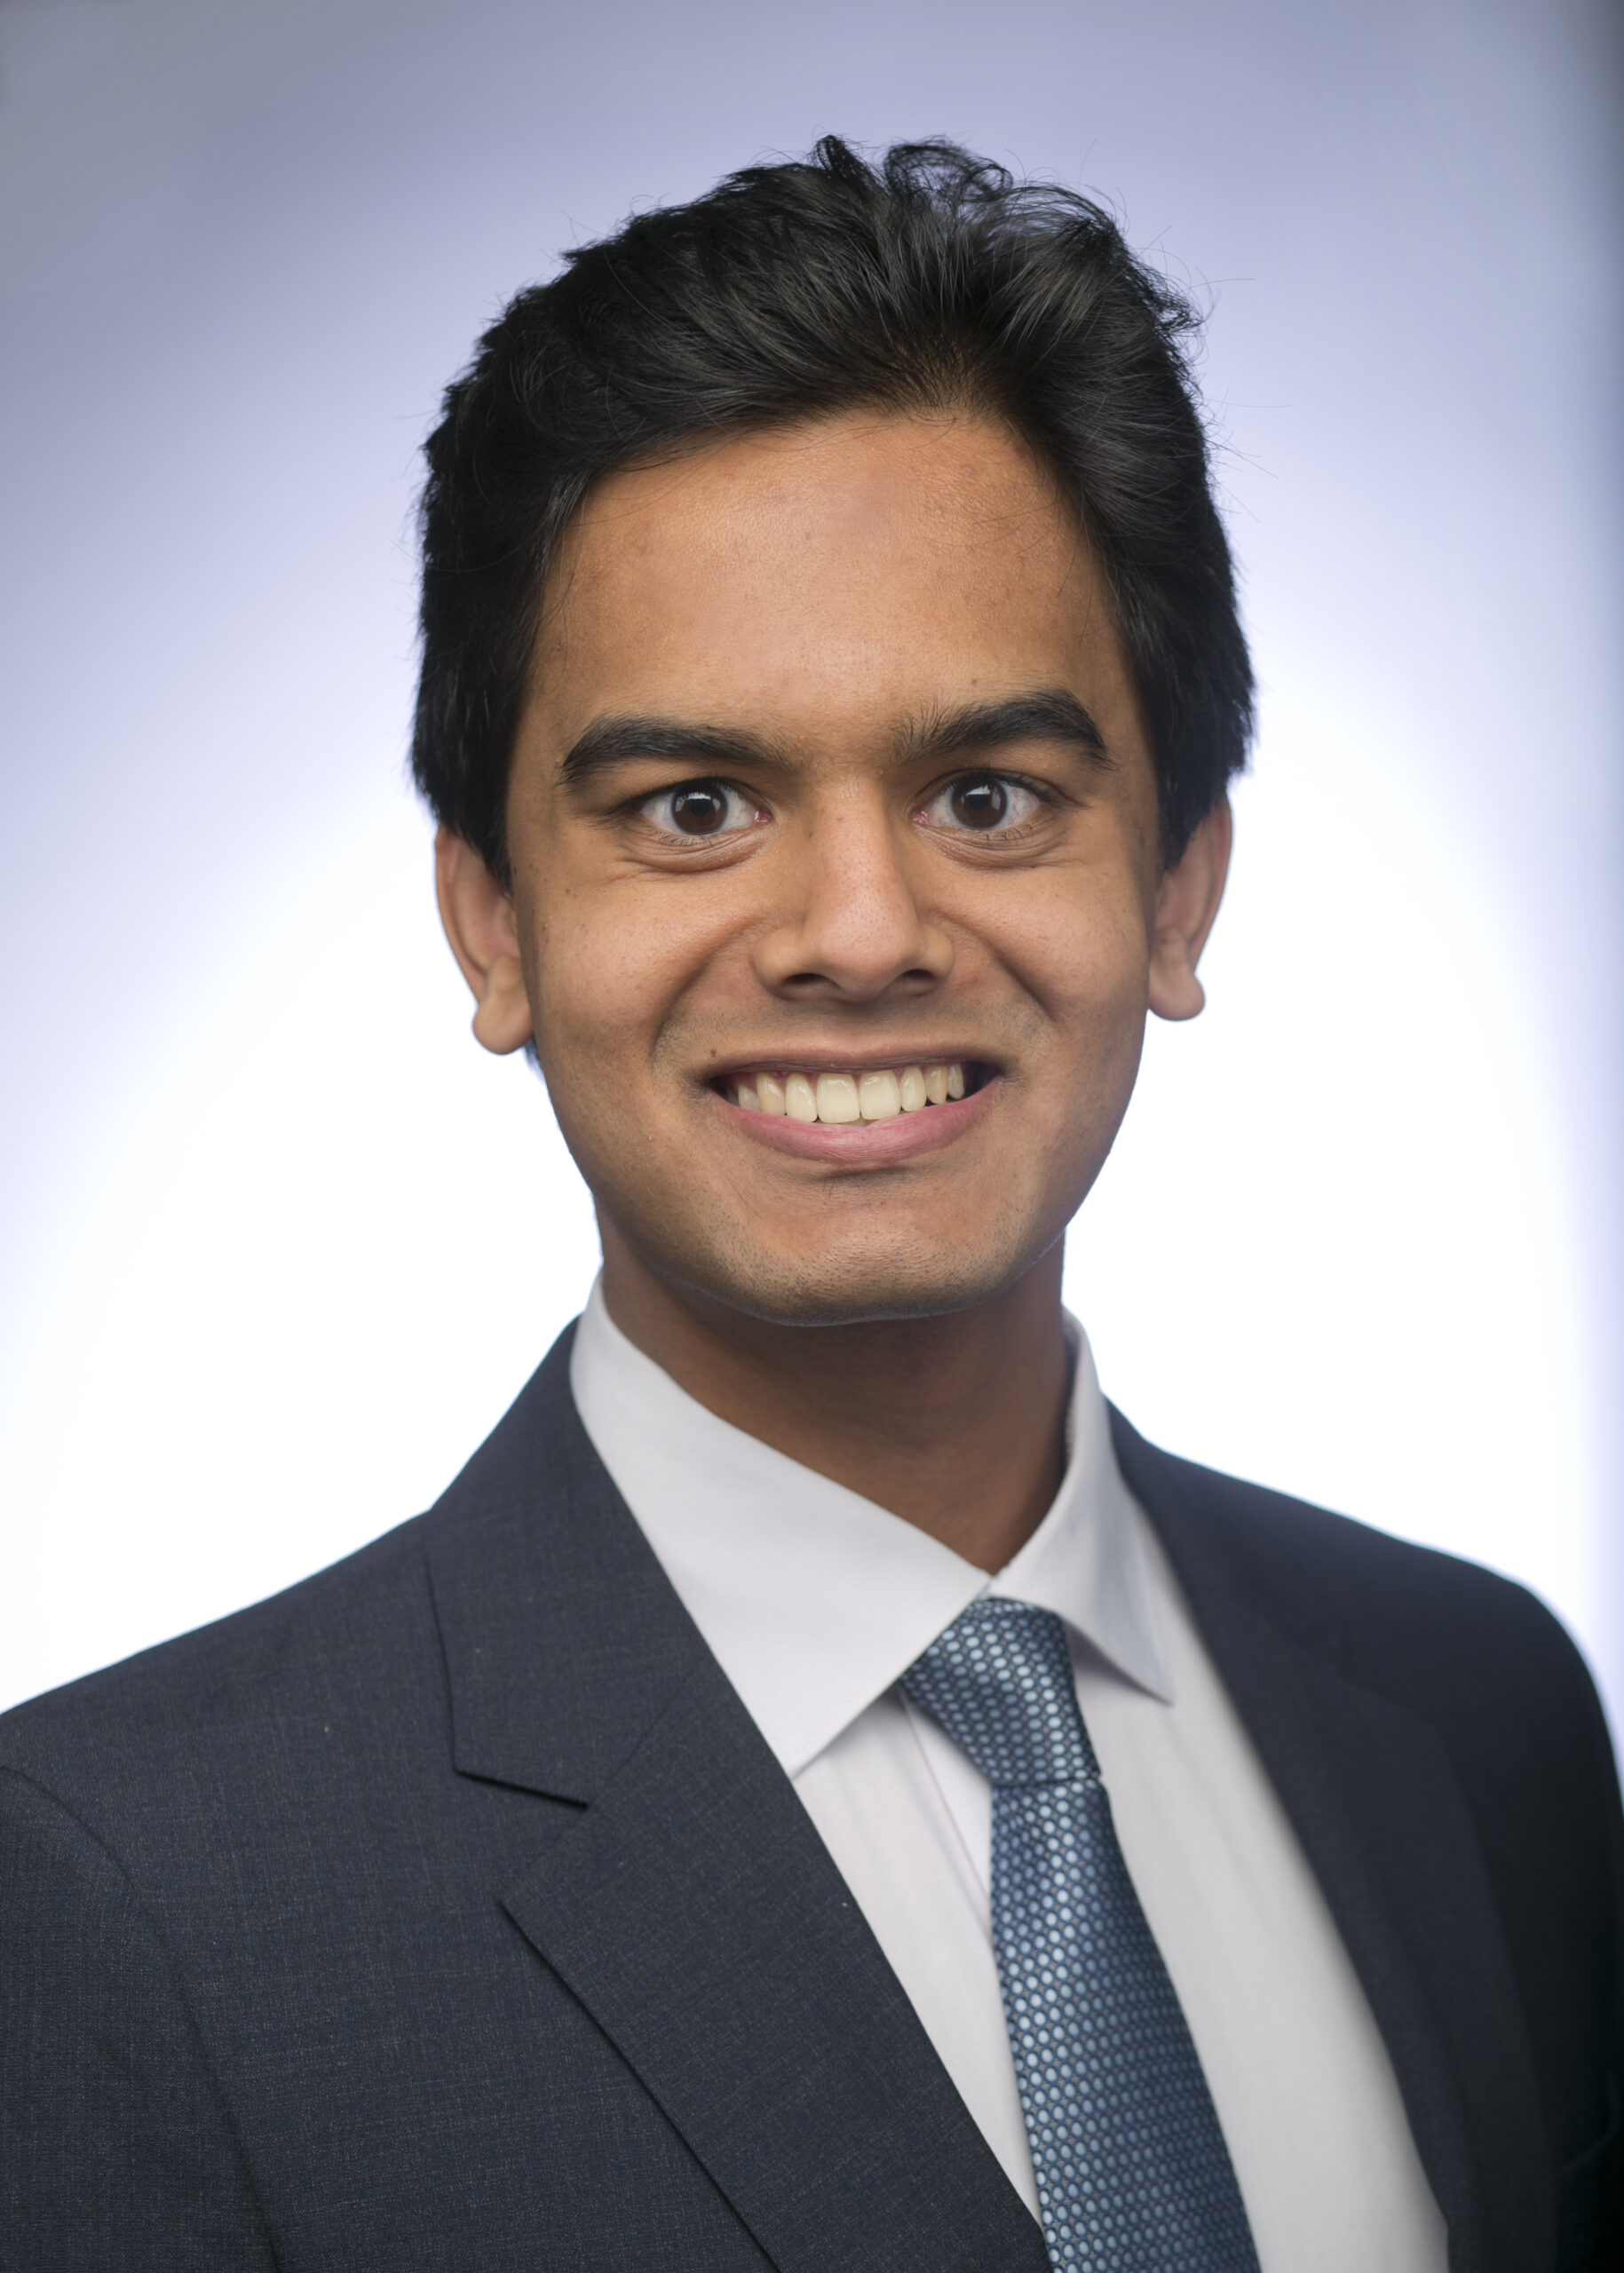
(831, 770)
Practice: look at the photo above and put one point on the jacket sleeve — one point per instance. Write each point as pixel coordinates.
(116, 2146)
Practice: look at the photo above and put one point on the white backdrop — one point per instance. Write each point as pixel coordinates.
(280, 1242)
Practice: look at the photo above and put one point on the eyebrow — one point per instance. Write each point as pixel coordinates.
(1047, 714)
(621, 741)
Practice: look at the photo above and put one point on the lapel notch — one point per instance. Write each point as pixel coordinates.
(690, 1906)
(562, 1638)
(697, 1915)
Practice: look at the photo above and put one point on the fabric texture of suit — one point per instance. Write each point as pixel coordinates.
(450, 1911)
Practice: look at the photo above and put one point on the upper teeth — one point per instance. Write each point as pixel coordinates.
(849, 1097)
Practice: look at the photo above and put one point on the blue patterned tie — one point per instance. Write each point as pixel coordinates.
(1132, 2171)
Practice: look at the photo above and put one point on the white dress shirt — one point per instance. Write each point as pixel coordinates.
(815, 1601)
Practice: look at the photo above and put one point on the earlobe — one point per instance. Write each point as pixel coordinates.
(1187, 901)
(1176, 991)
(502, 1019)
(478, 917)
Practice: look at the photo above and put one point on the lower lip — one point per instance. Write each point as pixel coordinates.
(866, 1144)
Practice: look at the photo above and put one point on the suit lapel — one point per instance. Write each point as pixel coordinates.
(692, 1906)
(694, 1911)
(698, 1916)
(1372, 1795)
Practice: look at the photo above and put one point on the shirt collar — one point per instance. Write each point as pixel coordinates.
(814, 1600)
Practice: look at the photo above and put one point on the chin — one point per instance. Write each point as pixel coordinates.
(865, 1288)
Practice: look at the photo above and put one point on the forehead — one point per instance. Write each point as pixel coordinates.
(835, 575)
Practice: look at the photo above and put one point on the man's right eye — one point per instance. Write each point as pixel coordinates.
(701, 809)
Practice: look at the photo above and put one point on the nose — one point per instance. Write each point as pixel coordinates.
(852, 926)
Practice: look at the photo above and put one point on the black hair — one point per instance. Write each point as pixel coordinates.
(928, 281)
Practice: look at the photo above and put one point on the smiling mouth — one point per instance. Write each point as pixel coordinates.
(854, 1099)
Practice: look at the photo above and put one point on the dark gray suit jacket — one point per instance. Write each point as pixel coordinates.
(449, 1910)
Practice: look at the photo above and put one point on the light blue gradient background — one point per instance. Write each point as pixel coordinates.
(280, 1243)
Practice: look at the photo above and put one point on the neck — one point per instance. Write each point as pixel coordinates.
(956, 1423)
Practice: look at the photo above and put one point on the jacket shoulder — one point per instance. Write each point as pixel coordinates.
(1495, 1676)
(1424, 1626)
(347, 1664)
(300, 1651)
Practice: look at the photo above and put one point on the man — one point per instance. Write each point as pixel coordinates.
(820, 1791)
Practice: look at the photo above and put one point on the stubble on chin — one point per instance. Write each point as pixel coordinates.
(867, 1272)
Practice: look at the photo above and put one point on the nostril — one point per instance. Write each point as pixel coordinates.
(822, 982)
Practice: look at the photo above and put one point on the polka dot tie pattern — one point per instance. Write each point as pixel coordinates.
(1132, 2171)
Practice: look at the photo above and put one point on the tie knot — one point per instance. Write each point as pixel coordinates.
(999, 1682)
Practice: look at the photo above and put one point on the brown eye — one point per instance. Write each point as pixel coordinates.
(979, 802)
(701, 809)
(982, 805)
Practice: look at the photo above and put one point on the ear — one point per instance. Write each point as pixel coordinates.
(478, 916)
(1186, 904)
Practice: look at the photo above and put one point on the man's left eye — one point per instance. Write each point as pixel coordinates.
(701, 809)
(981, 804)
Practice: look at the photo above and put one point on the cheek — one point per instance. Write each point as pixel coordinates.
(598, 982)
(612, 966)
(1079, 945)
